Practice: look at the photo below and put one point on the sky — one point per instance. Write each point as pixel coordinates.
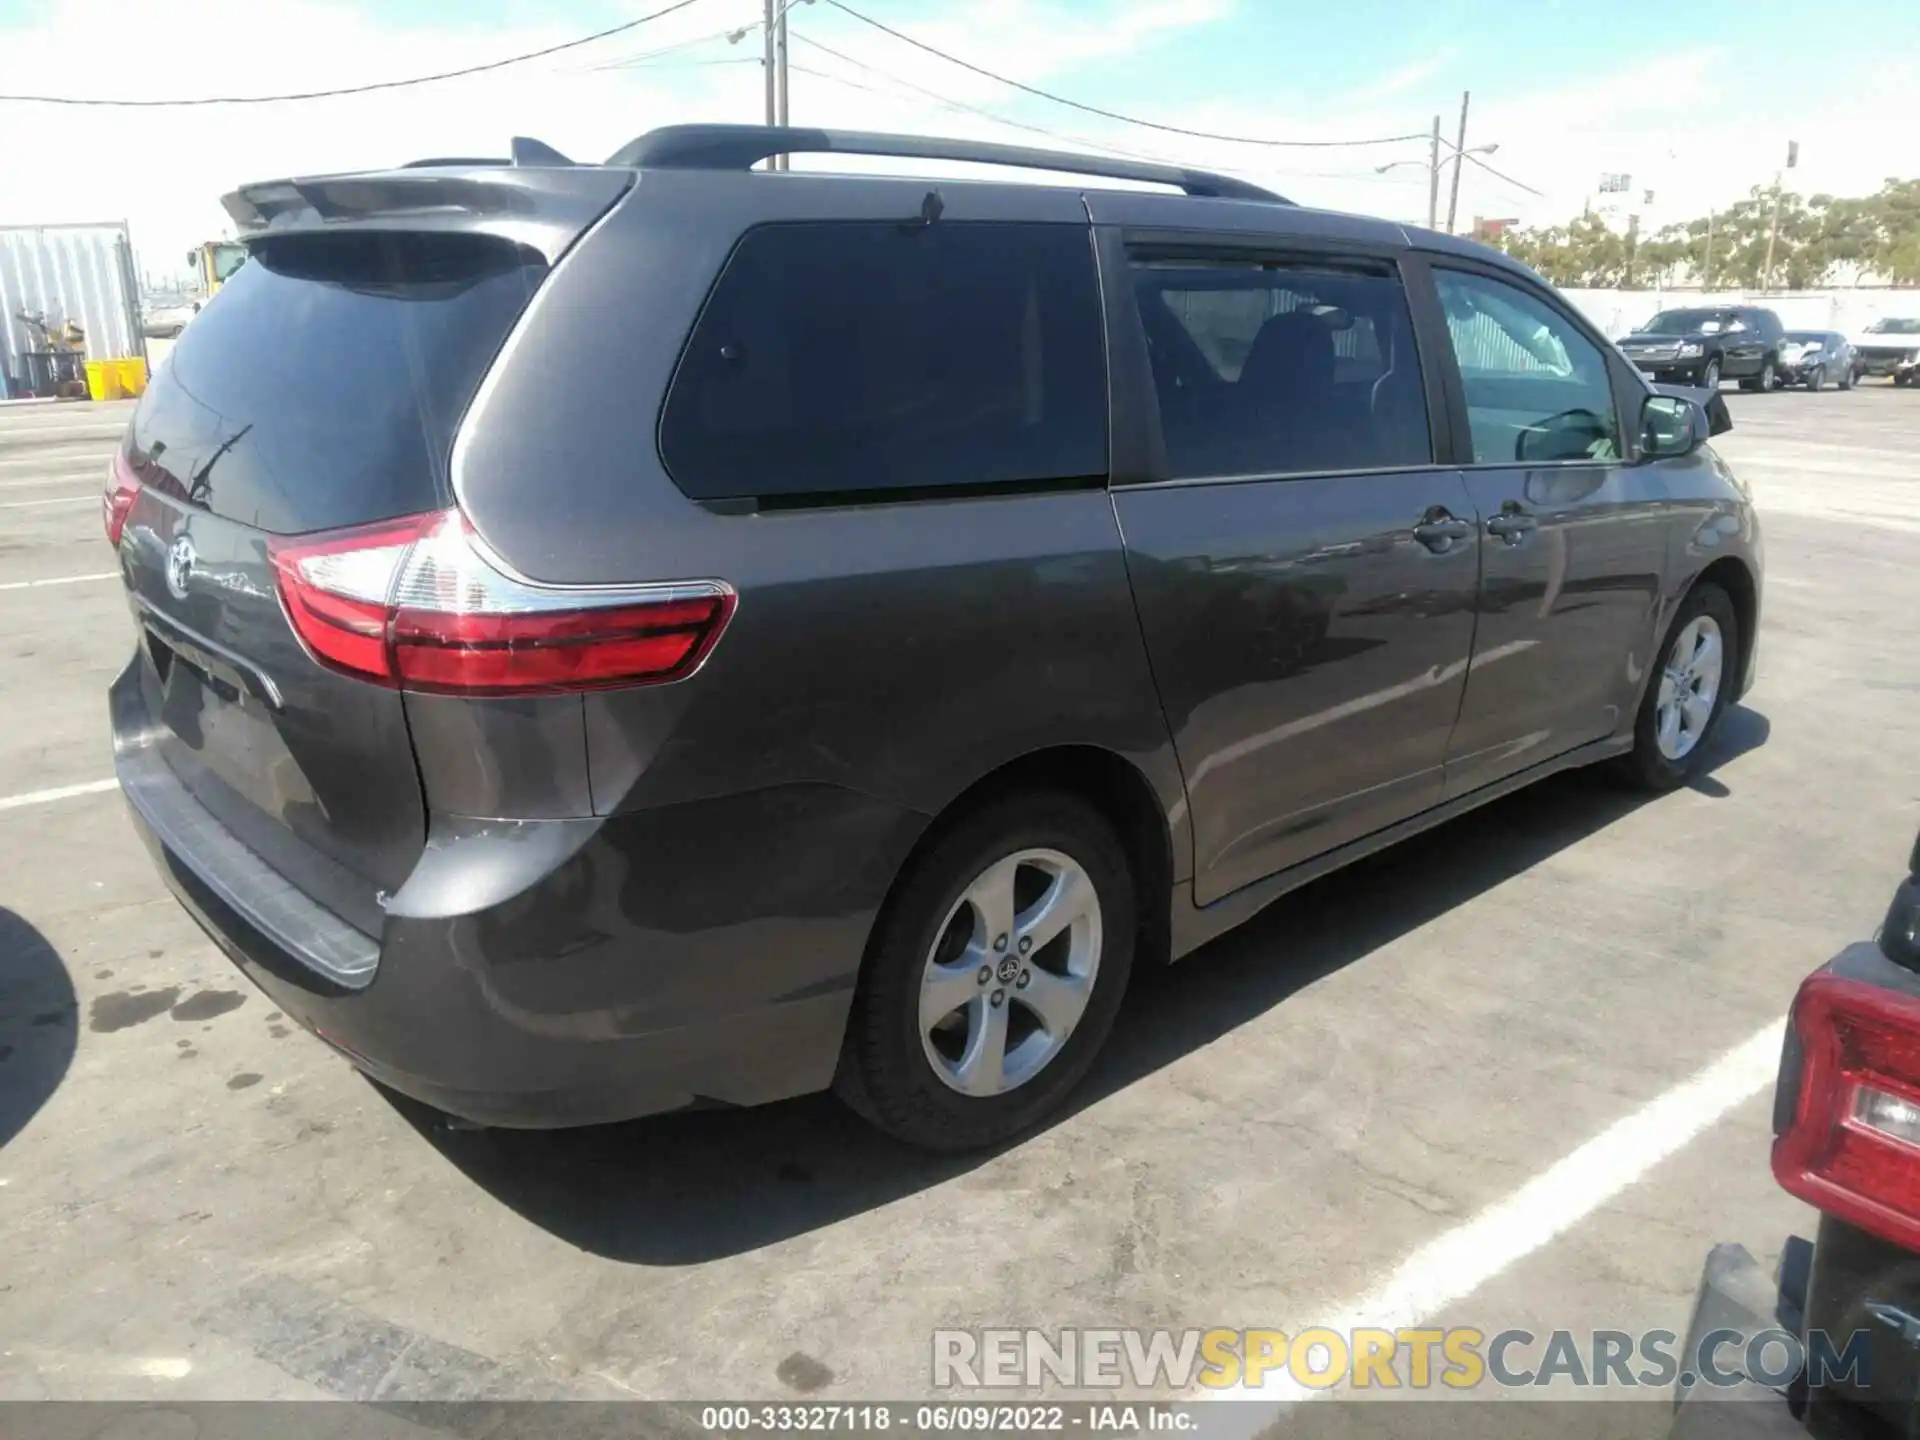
(1695, 101)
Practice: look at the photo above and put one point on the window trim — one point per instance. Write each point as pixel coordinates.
(1628, 392)
(1137, 439)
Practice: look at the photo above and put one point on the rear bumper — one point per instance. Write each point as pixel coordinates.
(562, 972)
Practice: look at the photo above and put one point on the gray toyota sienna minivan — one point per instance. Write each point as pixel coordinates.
(616, 637)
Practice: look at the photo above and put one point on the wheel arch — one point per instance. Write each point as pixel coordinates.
(1731, 574)
(1115, 787)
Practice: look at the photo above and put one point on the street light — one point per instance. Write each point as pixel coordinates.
(1432, 167)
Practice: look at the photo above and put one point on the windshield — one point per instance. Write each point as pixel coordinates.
(226, 260)
(1681, 322)
(1894, 327)
(1806, 337)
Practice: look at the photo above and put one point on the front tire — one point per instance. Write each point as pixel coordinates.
(1687, 693)
(993, 976)
(1710, 377)
(1817, 378)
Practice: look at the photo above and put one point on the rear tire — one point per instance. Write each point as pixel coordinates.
(1669, 749)
(923, 1079)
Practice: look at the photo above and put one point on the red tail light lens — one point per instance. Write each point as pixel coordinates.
(117, 500)
(418, 604)
(1852, 1148)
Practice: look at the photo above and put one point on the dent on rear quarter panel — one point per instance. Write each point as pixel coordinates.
(881, 657)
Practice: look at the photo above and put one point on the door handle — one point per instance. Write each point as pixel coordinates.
(1438, 529)
(1512, 526)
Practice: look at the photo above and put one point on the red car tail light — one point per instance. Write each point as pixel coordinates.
(123, 488)
(1852, 1145)
(418, 604)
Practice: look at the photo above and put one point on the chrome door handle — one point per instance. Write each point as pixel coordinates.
(1511, 526)
(1439, 530)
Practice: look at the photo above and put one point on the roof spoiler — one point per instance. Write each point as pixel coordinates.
(527, 200)
(740, 147)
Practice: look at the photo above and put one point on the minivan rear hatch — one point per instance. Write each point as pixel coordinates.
(320, 389)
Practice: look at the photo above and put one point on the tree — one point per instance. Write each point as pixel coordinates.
(1817, 237)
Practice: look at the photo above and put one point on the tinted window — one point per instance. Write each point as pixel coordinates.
(323, 384)
(838, 358)
(1269, 369)
(1536, 388)
(1683, 322)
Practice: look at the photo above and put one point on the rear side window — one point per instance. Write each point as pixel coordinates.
(1265, 369)
(322, 386)
(850, 358)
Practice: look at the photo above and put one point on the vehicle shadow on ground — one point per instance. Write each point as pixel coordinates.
(688, 1188)
(39, 1023)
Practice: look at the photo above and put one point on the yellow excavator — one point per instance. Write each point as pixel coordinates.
(213, 263)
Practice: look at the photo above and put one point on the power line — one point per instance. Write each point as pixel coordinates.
(998, 119)
(354, 89)
(1499, 176)
(1111, 114)
(732, 32)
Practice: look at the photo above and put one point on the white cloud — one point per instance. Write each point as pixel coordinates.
(1406, 77)
(1667, 119)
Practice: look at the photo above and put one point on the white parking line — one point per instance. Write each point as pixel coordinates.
(1453, 1265)
(85, 478)
(60, 580)
(63, 500)
(59, 792)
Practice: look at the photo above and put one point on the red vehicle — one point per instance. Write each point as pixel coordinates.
(1847, 1141)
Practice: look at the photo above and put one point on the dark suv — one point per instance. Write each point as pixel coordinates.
(1705, 346)
(612, 637)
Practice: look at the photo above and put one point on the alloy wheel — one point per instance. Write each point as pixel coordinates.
(1010, 972)
(1689, 686)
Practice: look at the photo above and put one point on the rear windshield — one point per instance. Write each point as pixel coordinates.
(852, 358)
(323, 384)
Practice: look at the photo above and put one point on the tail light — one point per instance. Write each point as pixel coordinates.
(117, 500)
(1851, 1147)
(418, 604)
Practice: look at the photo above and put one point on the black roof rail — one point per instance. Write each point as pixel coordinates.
(740, 147)
(523, 152)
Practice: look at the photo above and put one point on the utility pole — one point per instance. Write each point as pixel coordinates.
(1706, 279)
(781, 81)
(773, 32)
(1459, 161)
(1433, 178)
(1773, 230)
(1773, 225)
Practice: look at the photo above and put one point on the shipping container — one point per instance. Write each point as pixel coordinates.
(81, 274)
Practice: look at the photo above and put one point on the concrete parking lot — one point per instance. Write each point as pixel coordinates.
(1377, 1104)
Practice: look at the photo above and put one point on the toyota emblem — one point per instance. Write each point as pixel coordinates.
(180, 566)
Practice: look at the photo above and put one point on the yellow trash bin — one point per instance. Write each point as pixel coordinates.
(103, 379)
(133, 376)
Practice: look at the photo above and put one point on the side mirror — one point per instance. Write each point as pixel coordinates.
(1670, 427)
